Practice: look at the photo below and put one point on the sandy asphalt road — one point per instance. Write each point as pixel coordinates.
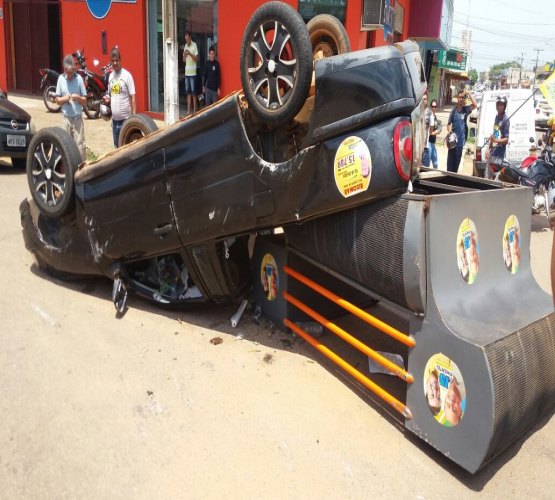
(146, 407)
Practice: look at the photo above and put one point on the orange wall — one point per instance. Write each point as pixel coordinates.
(3, 63)
(125, 26)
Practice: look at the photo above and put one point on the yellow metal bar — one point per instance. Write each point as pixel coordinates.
(351, 370)
(371, 353)
(363, 315)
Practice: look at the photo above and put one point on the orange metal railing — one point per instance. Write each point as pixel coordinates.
(351, 370)
(371, 353)
(363, 315)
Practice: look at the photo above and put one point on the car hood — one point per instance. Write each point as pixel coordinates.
(12, 111)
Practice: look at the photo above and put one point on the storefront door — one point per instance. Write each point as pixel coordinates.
(200, 17)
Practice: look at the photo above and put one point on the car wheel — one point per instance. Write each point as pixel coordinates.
(328, 36)
(19, 163)
(52, 159)
(276, 63)
(136, 127)
(51, 106)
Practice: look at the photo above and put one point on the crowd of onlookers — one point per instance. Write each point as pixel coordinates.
(120, 97)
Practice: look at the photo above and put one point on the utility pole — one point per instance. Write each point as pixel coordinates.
(536, 66)
(520, 74)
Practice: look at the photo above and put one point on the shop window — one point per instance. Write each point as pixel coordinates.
(200, 17)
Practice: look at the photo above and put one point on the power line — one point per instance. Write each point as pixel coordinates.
(503, 22)
(504, 33)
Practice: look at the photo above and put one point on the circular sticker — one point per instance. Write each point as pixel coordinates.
(444, 390)
(352, 167)
(511, 244)
(468, 251)
(269, 277)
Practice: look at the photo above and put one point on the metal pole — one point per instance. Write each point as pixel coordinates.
(171, 94)
(536, 65)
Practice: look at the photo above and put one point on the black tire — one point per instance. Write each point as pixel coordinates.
(50, 106)
(19, 163)
(92, 108)
(328, 35)
(136, 127)
(276, 78)
(52, 159)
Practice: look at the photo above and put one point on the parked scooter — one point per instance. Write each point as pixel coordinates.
(48, 87)
(539, 174)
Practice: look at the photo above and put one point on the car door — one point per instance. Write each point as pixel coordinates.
(128, 211)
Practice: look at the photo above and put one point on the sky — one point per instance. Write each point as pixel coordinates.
(502, 30)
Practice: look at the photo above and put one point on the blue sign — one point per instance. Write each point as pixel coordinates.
(99, 8)
(388, 20)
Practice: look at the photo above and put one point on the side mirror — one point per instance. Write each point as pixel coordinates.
(540, 143)
(531, 139)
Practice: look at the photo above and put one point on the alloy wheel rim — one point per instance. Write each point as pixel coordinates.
(272, 65)
(48, 173)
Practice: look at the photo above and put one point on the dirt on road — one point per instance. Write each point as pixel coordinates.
(145, 406)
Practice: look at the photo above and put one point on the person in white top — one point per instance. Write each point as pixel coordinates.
(190, 58)
(121, 89)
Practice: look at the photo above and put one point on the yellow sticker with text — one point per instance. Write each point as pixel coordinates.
(352, 166)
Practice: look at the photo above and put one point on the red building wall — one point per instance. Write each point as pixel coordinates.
(3, 62)
(125, 26)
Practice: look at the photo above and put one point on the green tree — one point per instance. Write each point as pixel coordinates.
(496, 70)
(473, 75)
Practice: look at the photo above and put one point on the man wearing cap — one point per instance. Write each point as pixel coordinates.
(500, 138)
(71, 96)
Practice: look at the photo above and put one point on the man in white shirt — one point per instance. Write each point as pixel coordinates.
(190, 58)
(121, 89)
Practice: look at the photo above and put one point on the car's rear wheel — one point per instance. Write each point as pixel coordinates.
(276, 63)
(48, 92)
(328, 36)
(136, 127)
(19, 163)
(52, 159)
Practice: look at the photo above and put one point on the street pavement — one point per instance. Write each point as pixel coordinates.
(145, 406)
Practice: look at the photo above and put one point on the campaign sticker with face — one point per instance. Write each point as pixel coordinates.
(269, 277)
(352, 167)
(468, 251)
(511, 244)
(444, 390)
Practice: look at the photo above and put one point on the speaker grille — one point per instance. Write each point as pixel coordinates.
(364, 244)
(523, 376)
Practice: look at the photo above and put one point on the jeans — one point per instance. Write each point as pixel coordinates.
(426, 157)
(210, 96)
(433, 154)
(454, 159)
(116, 129)
(190, 85)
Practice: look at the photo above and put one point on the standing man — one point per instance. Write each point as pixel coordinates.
(121, 88)
(427, 113)
(71, 95)
(190, 58)
(457, 124)
(211, 78)
(499, 139)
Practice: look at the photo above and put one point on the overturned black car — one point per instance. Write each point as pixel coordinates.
(170, 215)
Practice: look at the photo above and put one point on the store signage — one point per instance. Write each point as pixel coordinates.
(452, 59)
(100, 8)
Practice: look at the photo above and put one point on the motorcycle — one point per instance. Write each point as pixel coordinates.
(95, 85)
(539, 174)
(48, 88)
